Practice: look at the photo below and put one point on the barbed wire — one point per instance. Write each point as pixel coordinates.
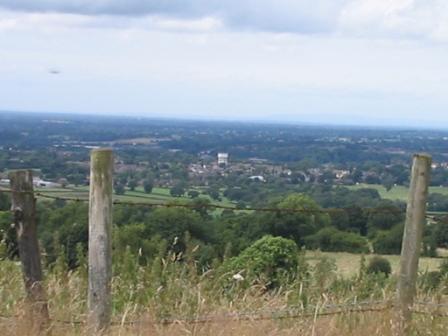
(288, 313)
(291, 312)
(254, 315)
(431, 304)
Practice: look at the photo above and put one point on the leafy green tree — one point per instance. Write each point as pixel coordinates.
(388, 182)
(439, 177)
(298, 216)
(241, 229)
(437, 202)
(200, 206)
(132, 184)
(122, 178)
(172, 223)
(119, 188)
(340, 219)
(177, 191)
(5, 202)
(193, 193)
(357, 175)
(384, 216)
(69, 224)
(214, 193)
(357, 219)
(389, 241)
(332, 240)
(441, 232)
(148, 185)
(139, 240)
(233, 193)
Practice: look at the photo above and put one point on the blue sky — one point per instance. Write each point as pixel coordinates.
(366, 62)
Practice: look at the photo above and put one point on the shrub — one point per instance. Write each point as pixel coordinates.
(379, 265)
(333, 240)
(5, 202)
(431, 280)
(177, 190)
(325, 272)
(148, 185)
(8, 237)
(269, 258)
(193, 193)
(443, 267)
(119, 189)
(389, 242)
(441, 232)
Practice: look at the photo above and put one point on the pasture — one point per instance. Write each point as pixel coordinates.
(397, 192)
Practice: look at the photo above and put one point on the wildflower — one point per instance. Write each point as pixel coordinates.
(238, 277)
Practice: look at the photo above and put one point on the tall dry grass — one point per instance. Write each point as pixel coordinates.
(145, 298)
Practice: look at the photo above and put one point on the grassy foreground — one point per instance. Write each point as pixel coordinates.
(177, 292)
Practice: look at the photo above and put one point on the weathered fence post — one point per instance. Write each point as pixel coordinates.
(412, 238)
(100, 236)
(23, 207)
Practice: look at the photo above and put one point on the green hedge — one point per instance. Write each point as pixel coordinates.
(331, 239)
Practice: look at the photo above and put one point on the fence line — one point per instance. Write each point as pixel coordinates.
(291, 312)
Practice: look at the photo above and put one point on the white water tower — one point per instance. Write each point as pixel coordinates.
(223, 158)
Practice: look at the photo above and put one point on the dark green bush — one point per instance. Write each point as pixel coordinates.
(333, 240)
(379, 265)
(441, 232)
(443, 267)
(431, 280)
(269, 258)
(389, 242)
(8, 236)
(5, 202)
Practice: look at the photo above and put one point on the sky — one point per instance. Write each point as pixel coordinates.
(350, 62)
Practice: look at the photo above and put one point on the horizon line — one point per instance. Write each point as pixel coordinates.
(266, 121)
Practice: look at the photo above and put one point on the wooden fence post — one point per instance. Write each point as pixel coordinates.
(23, 207)
(412, 238)
(100, 236)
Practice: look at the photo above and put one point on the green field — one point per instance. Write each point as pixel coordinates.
(158, 195)
(396, 193)
(348, 263)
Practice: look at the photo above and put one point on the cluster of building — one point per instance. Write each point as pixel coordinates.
(37, 182)
(443, 165)
(255, 169)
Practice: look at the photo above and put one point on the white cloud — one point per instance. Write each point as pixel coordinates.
(418, 19)
(52, 22)
(206, 24)
(424, 19)
(229, 58)
(265, 15)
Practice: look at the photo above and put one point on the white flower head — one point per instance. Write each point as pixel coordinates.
(238, 277)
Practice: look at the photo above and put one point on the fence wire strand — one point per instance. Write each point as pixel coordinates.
(255, 315)
(291, 312)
